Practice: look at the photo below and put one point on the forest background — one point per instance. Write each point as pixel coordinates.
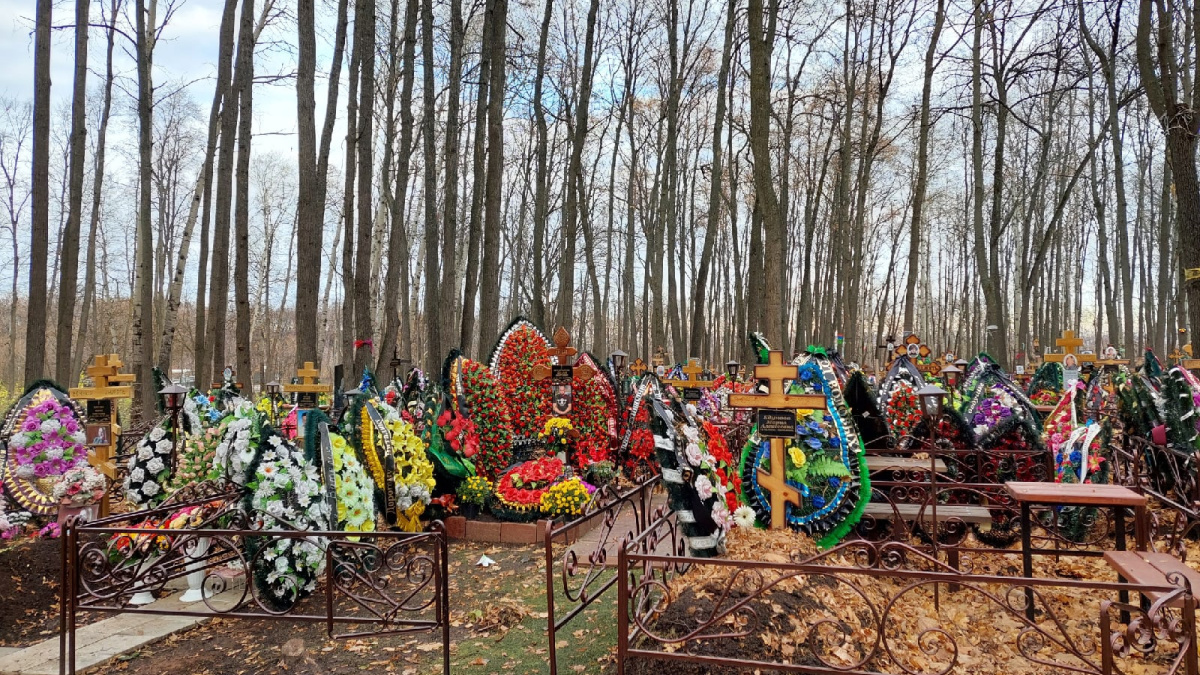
(195, 183)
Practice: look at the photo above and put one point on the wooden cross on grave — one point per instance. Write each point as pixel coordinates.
(228, 379)
(1112, 359)
(308, 390)
(637, 367)
(660, 357)
(1186, 359)
(561, 354)
(693, 371)
(919, 353)
(1070, 344)
(101, 430)
(776, 374)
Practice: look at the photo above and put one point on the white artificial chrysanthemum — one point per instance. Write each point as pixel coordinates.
(144, 452)
(155, 465)
(744, 516)
(156, 433)
(137, 475)
(150, 488)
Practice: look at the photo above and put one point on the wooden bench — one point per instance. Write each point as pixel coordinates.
(1151, 569)
(968, 513)
(876, 463)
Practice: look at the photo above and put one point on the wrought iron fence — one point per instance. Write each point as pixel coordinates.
(1169, 475)
(864, 608)
(366, 583)
(573, 583)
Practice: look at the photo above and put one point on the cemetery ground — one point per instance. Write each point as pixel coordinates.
(498, 620)
(498, 624)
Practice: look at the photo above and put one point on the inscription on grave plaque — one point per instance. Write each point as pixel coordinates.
(99, 411)
(306, 400)
(776, 423)
(561, 374)
(692, 394)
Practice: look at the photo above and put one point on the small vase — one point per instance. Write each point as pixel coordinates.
(196, 573)
(470, 510)
(141, 598)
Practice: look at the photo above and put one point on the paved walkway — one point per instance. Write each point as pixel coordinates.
(105, 639)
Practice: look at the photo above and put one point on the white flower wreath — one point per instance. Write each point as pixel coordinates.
(286, 495)
(150, 467)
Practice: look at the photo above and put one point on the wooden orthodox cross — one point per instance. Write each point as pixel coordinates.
(1069, 343)
(637, 367)
(307, 393)
(919, 353)
(101, 430)
(693, 371)
(777, 420)
(562, 368)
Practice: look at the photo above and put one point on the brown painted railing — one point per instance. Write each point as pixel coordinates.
(374, 583)
(871, 630)
(617, 517)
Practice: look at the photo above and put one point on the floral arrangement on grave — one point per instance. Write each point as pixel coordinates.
(195, 461)
(1180, 406)
(1046, 386)
(475, 394)
(48, 443)
(11, 522)
(354, 489)
(823, 463)
(556, 435)
(130, 547)
(521, 347)
(199, 411)
(150, 466)
(474, 492)
(414, 475)
(689, 472)
(284, 493)
(566, 499)
(600, 474)
(903, 411)
(80, 486)
(518, 491)
(725, 466)
(593, 414)
(234, 453)
(638, 447)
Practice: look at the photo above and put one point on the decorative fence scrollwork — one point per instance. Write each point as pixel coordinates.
(370, 584)
(871, 608)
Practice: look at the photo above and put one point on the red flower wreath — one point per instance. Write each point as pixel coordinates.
(528, 400)
(491, 417)
(525, 483)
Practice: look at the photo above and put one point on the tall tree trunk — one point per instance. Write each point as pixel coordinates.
(244, 83)
(766, 202)
(564, 308)
(712, 229)
(364, 28)
(142, 361)
(466, 336)
(35, 309)
(89, 276)
(489, 278)
(431, 310)
(348, 294)
(449, 283)
(310, 214)
(922, 182)
(217, 115)
(396, 284)
(542, 180)
(69, 269)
